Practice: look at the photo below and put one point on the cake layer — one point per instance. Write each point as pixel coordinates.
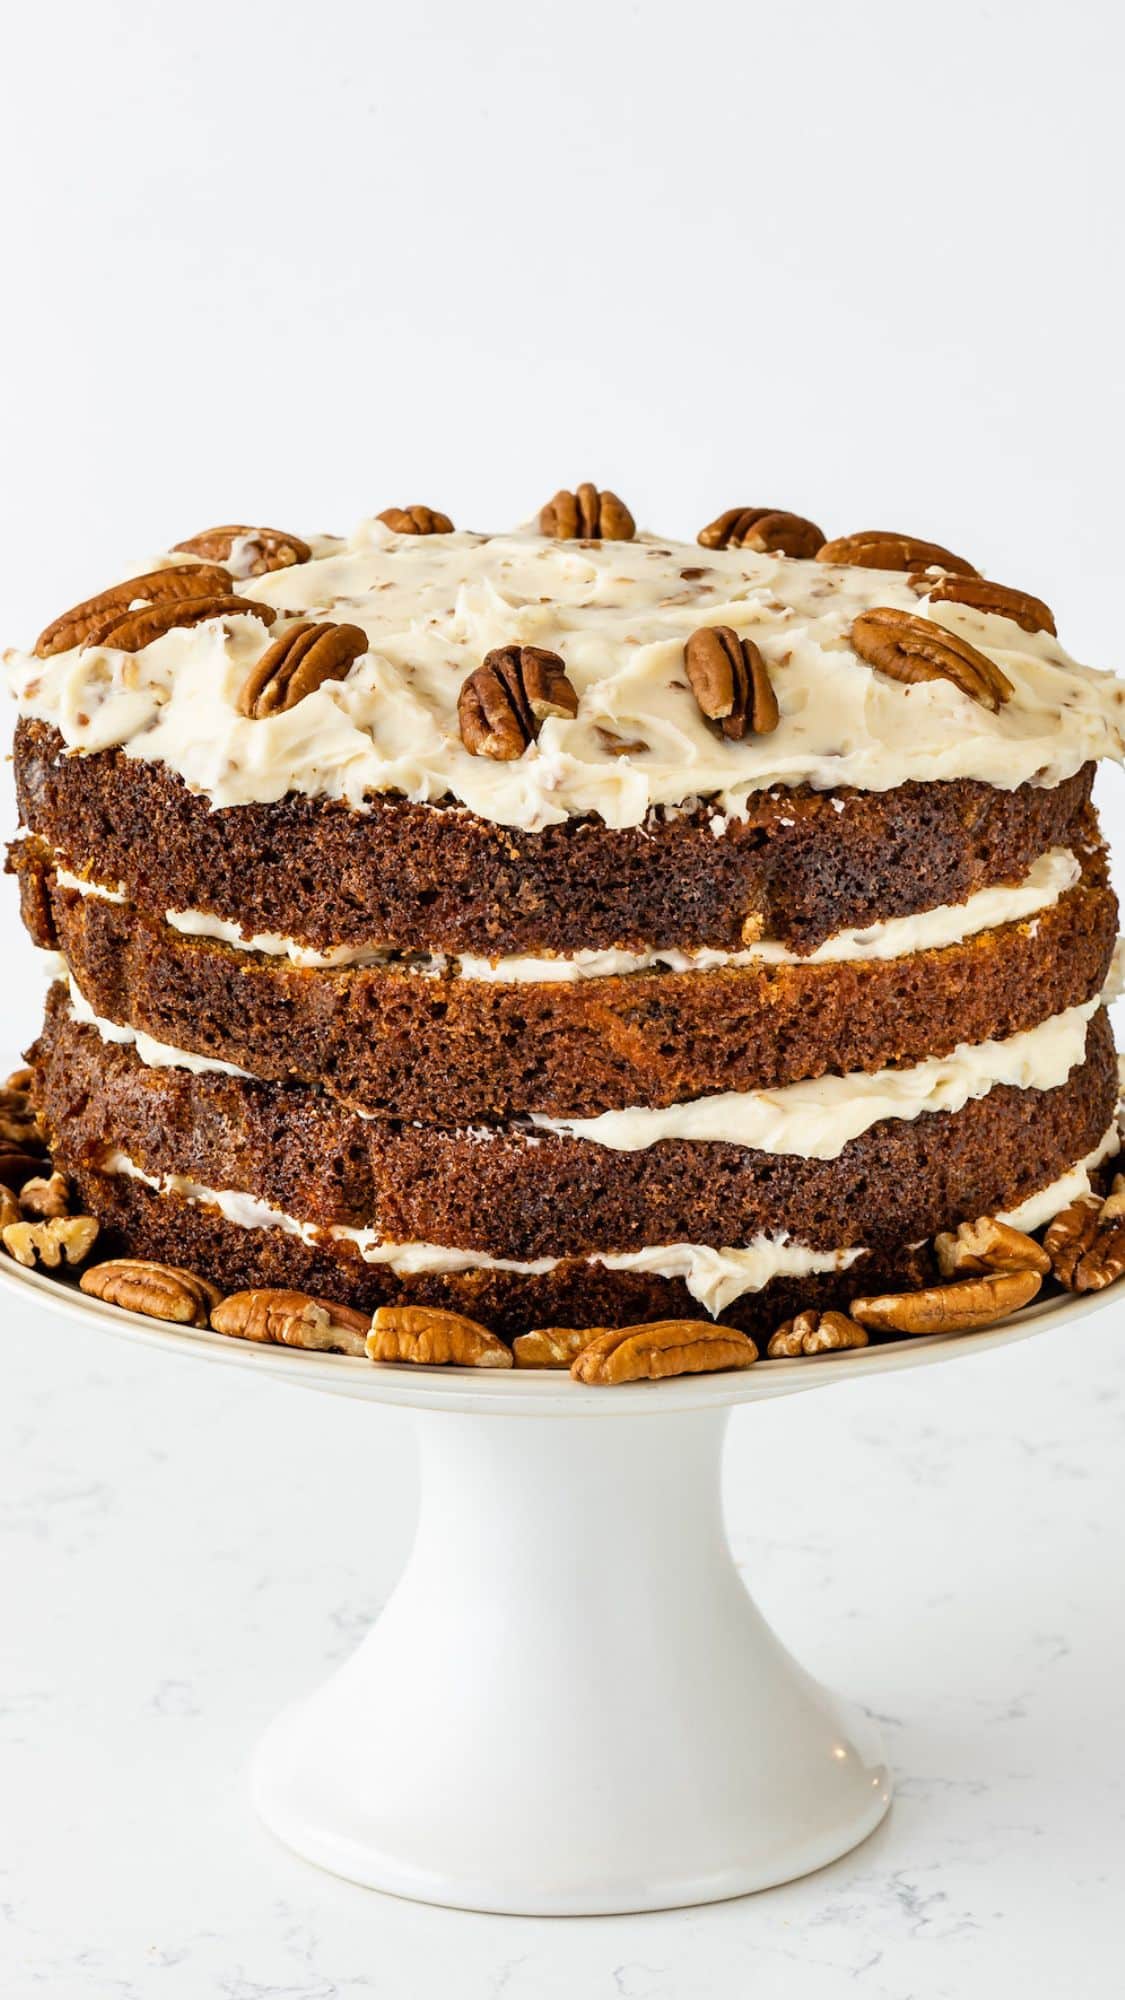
(138, 1221)
(799, 867)
(523, 1194)
(452, 1049)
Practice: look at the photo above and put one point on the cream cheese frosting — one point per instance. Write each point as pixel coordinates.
(618, 613)
(1049, 877)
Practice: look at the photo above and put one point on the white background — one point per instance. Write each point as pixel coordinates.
(293, 264)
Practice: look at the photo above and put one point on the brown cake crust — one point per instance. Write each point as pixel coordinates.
(449, 1050)
(801, 866)
(140, 1223)
(519, 1195)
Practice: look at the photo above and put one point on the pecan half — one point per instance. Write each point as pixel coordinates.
(770, 530)
(157, 1291)
(129, 631)
(434, 1339)
(504, 703)
(730, 681)
(587, 516)
(1030, 613)
(1086, 1243)
(293, 1319)
(659, 1348)
(958, 1308)
(160, 586)
(66, 1238)
(551, 1346)
(915, 649)
(297, 664)
(20, 1081)
(816, 1333)
(18, 1163)
(988, 1245)
(20, 1123)
(254, 550)
(878, 548)
(415, 521)
(10, 1210)
(45, 1198)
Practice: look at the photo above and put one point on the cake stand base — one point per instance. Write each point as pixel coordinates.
(570, 1705)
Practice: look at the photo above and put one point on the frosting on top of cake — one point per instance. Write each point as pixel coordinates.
(618, 614)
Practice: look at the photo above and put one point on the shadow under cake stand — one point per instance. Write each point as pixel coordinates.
(570, 1704)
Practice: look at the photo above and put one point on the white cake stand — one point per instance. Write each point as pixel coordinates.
(570, 1704)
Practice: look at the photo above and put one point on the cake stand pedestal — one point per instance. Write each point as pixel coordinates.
(570, 1704)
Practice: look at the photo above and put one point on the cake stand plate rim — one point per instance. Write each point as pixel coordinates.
(535, 1392)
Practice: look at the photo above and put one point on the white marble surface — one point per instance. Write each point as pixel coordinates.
(182, 1549)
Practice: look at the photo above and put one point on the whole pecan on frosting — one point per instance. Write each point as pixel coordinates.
(730, 681)
(659, 1348)
(587, 516)
(878, 548)
(131, 631)
(297, 664)
(254, 550)
(158, 1291)
(415, 521)
(1028, 612)
(915, 649)
(769, 530)
(504, 703)
(159, 586)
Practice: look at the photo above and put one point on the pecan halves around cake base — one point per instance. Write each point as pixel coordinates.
(816, 1333)
(65, 1239)
(767, 530)
(988, 1245)
(297, 664)
(879, 548)
(551, 1346)
(183, 581)
(433, 1338)
(648, 1353)
(1086, 1243)
(730, 682)
(293, 1319)
(964, 1307)
(156, 1291)
(587, 515)
(251, 551)
(915, 649)
(504, 703)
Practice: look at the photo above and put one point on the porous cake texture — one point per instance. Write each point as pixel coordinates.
(569, 927)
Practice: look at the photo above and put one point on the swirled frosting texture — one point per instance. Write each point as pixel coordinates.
(619, 614)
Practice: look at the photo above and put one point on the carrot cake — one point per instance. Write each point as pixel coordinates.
(570, 926)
